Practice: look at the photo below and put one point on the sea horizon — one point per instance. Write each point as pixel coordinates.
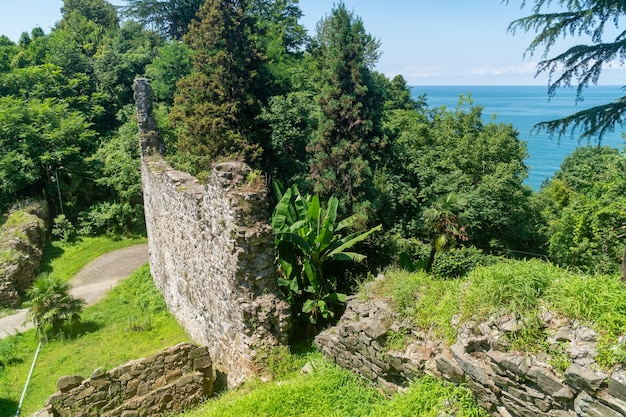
(524, 106)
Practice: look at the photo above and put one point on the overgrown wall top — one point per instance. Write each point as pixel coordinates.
(22, 238)
(505, 383)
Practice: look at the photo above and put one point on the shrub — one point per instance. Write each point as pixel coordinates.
(63, 229)
(456, 263)
(307, 238)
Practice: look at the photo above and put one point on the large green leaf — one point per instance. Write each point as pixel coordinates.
(281, 213)
(313, 212)
(312, 276)
(301, 207)
(348, 256)
(309, 306)
(351, 240)
(294, 238)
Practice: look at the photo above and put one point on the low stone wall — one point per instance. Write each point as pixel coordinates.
(212, 255)
(504, 383)
(163, 384)
(22, 239)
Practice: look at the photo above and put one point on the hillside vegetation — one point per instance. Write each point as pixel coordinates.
(243, 80)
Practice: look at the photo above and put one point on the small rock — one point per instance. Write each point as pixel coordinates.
(307, 368)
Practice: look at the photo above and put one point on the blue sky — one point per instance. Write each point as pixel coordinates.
(429, 42)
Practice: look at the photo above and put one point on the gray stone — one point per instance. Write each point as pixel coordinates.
(211, 253)
(564, 334)
(516, 364)
(98, 373)
(587, 406)
(112, 396)
(468, 364)
(581, 378)
(614, 403)
(66, 383)
(448, 368)
(585, 334)
(617, 384)
(546, 381)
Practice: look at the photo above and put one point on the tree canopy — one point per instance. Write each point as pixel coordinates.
(581, 64)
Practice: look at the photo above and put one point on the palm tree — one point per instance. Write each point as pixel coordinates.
(51, 306)
(444, 224)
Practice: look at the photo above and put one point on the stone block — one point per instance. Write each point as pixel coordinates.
(545, 380)
(515, 363)
(617, 384)
(470, 366)
(579, 378)
(614, 403)
(66, 383)
(86, 393)
(587, 406)
(448, 368)
(374, 329)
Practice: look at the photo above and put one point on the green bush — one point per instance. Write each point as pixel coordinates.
(109, 218)
(63, 229)
(456, 263)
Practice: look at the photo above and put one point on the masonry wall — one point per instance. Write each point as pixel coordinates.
(22, 239)
(504, 383)
(163, 384)
(211, 255)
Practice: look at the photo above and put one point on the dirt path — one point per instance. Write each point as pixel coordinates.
(92, 283)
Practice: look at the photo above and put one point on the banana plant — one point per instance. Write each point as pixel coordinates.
(307, 236)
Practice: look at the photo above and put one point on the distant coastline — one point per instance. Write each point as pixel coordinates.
(524, 106)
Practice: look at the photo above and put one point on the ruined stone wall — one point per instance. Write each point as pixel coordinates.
(22, 239)
(504, 383)
(163, 384)
(211, 255)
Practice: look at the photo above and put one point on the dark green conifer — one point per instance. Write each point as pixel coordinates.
(217, 107)
(351, 108)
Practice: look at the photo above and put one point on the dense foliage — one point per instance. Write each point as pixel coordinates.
(241, 79)
(308, 237)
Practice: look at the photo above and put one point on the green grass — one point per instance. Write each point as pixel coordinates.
(132, 322)
(331, 391)
(65, 259)
(430, 302)
(521, 288)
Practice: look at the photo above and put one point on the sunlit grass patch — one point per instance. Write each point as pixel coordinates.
(108, 337)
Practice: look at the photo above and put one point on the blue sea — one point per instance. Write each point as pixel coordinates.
(525, 106)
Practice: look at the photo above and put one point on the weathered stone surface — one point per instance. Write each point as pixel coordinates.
(66, 383)
(21, 244)
(614, 403)
(581, 378)
(545, 380)
(167, 389)
(212, 254)
(505, 384)
(586, 406)
(617, 384)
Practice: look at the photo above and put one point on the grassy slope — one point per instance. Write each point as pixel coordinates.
(519, 287)
(330, 391)
(132, 322)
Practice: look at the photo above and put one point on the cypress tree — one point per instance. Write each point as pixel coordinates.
(216, 109)
(351, 108)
